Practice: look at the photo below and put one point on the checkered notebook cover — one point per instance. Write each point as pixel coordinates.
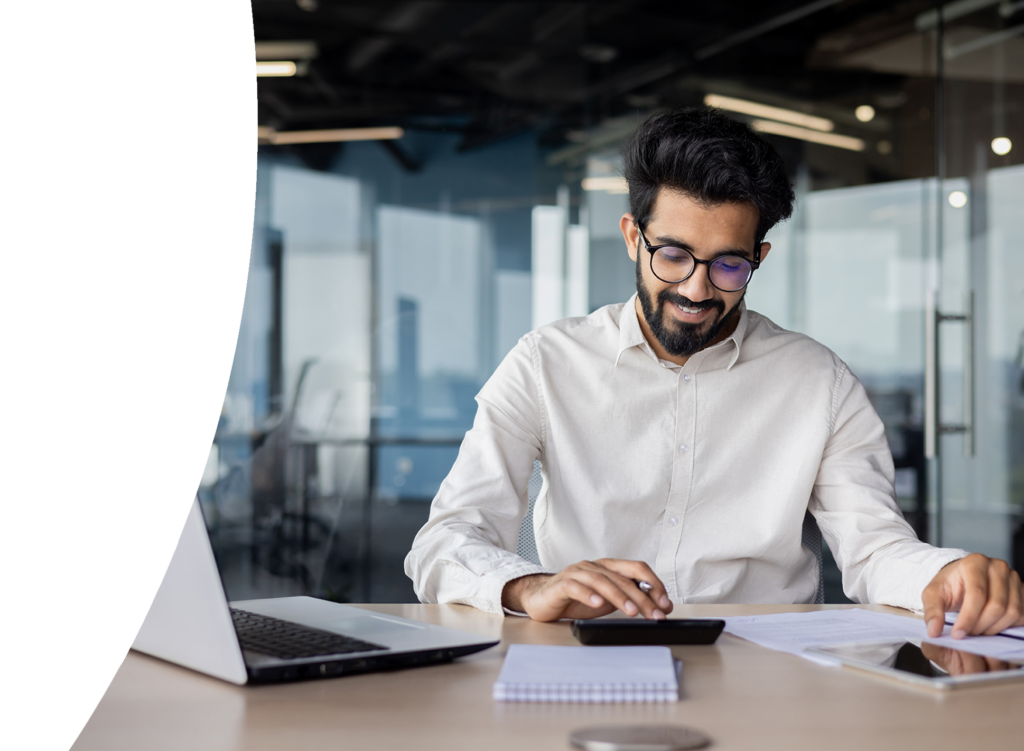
(541, 673)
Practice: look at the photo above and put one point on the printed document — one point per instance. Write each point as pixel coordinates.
(793, 632)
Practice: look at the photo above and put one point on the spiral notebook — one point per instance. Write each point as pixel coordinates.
(541, 673)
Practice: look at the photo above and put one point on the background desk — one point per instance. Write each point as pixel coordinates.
(743, 696)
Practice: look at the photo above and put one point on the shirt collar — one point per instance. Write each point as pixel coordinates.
(738, 335)
(631, 335)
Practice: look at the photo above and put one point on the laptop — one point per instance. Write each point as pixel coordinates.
(191, 623)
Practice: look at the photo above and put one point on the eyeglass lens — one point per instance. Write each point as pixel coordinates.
(728, 273)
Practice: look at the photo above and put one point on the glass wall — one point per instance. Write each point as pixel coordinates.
(388, 278)
(983, 278)
(380, 299)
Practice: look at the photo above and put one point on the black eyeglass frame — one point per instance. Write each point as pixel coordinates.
(755, 264)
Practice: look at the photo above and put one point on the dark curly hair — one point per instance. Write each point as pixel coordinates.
(711, 158)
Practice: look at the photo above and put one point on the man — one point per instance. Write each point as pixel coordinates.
(682, 437)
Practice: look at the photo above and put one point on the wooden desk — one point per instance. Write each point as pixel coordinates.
(743, 696)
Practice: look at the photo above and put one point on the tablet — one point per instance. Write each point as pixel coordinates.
(923, 664)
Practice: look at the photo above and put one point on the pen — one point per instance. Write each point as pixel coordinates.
(644, 587)
(948, 623)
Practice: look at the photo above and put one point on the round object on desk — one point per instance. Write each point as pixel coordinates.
(638, 738)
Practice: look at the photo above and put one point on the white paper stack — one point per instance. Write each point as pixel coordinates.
(542, 673)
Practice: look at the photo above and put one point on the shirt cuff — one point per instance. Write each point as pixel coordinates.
(924, 573)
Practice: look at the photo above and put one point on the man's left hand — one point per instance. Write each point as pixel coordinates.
(986, 591)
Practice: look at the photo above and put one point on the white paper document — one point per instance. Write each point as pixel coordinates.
(1017, 632)
(794, 632)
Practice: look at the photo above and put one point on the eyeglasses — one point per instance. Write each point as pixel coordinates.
(729, 273)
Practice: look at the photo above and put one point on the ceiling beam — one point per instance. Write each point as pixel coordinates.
(763, 28)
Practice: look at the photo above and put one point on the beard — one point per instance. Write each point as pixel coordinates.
(682, 339)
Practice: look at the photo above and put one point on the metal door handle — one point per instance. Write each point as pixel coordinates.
(933, 427)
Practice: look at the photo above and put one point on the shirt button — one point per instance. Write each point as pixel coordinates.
(686, 377)
(673, 521)
(683, 448)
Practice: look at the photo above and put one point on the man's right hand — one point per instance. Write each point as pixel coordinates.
(587, 590)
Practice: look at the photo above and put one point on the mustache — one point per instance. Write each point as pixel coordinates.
(674, 297)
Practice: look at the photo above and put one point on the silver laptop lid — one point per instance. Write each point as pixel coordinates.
(189, 621)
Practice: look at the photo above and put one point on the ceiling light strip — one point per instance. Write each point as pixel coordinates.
(609, 184)
(293, 50)
(950, 12)
(804, 134)
(336, 135)
(276, 68)
(954, 51)
(756, 109)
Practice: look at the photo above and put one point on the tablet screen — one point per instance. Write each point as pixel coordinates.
(925, 660)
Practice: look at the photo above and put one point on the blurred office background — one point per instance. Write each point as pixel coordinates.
(438, 178)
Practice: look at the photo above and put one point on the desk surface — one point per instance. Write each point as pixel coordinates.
(743, 696)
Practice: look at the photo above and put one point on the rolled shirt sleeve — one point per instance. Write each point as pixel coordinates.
(466, 551)
(854, 503)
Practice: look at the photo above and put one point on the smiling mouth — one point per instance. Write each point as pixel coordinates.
(691, 311)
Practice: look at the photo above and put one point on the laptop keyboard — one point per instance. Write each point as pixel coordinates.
(289, 641)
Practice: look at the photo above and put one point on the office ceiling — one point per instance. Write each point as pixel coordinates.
(489, 69)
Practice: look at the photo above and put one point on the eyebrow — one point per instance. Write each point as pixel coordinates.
(737, 251)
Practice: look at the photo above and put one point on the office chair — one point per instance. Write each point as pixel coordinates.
(811, 539)
(527, 545)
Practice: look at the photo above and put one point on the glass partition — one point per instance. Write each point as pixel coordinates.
(389, 278)
(981, 449)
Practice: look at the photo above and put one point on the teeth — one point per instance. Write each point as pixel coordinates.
(689, 310)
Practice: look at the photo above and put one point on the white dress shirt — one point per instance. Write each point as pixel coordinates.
(703, 471)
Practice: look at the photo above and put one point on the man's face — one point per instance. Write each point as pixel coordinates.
(688, 316)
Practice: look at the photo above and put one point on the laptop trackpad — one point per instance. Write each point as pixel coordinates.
(374, 628)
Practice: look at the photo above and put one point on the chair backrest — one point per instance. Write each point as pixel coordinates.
(527, 545)
(811, 540)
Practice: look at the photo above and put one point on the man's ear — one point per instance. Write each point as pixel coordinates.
(629, 234)
(765, 247)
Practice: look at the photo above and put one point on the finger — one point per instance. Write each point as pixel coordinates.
(973, 663)
(998, 595)
(640, 571)
(994, 664)
(974, 584)
(601, 582)
(934, 609)
(644, 601)
(637, 600)
(943, 593)
(581, 593)
(955, 663)
(562, 596)
(584, 602)
(943, 657)
(647, 601)
(596, 578)
(1020, 594)
(1020, 599)
(1014, 597)
(934, 652)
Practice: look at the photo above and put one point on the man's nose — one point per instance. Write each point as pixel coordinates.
(698, 286)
